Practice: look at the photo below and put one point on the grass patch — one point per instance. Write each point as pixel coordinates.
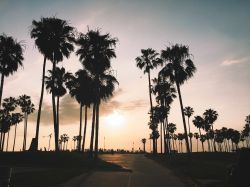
(50, 168)
(199, 165)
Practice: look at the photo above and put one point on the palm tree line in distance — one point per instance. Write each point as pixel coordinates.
(94, 83)
(12, 112)
(218, 140)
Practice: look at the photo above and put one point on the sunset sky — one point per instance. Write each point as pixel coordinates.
(217, 33)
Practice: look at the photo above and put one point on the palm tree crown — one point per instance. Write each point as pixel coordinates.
(53, 37)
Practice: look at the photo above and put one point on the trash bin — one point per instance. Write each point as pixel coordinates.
(5, 175)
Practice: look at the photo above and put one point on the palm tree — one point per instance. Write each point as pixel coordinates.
(178, 69)
(171, 129)
(95, 54)
(143, 142)
(196, 135)
(81, 88)
(210, 117)
(54, 38)
(27, 108)
(165, 94)
(61, 77)
(148, 61)
(16, 119)
(188, 111)
(74, 140)
(5, 121)
(9, 105)
(11, 57)
(180, 137)
(106, 88)
(199, 122)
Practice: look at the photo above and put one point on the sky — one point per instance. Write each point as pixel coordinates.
(217, 33)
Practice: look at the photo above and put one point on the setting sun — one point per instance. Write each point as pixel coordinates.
(115, 119)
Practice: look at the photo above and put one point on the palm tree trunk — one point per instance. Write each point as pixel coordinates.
(161, 136)
(40, 106)
(183, 117)
(7, 141)
(149, 88)
(201, 141)
(92, 131)
(14, 143)
(80, 130)
(56, 128)
(189, 136)
(85, 127)
(1, 89)
(3, 142)
(97, 129)
(197, 144)
(57, 111)
(213, 139)
(24, 131)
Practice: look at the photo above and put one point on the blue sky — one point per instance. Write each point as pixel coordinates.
(217, 33)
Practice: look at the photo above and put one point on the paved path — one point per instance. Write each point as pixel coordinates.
(145, 173)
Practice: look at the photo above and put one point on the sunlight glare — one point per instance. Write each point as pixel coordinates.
(115, 119)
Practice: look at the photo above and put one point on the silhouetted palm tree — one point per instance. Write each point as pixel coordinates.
(95, 54)
(199, 122)
(61, 77)
(27, 108)
(210, 117)
(171, 129)
(9, 105)
(81, 88)
(196, 135)
(144, 142)
(11, 57)
(188, 111)
(16, 118)
(54, 38)
(148, 61)
(178, 69)
(165, 94)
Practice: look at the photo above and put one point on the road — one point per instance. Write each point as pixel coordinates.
(144, 173)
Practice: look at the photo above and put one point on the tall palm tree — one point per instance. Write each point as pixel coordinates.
(171, 129)
(178, 69)
(11, 57)
(61, 77)
(54, 38)
(16, 119)
(95, 54)
(165, 94)
(199, 122)
(106, 89)
(210, 117)
(144, 142)
(27, 108)
(81, 88)
(188, 111)
(148, 61)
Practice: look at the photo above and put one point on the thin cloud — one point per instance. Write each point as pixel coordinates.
(230, 62)
(70, 110)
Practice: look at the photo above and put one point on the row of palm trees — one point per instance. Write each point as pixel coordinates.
(55, 40)
(10, 116)
(177, 68)
(217, 140)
